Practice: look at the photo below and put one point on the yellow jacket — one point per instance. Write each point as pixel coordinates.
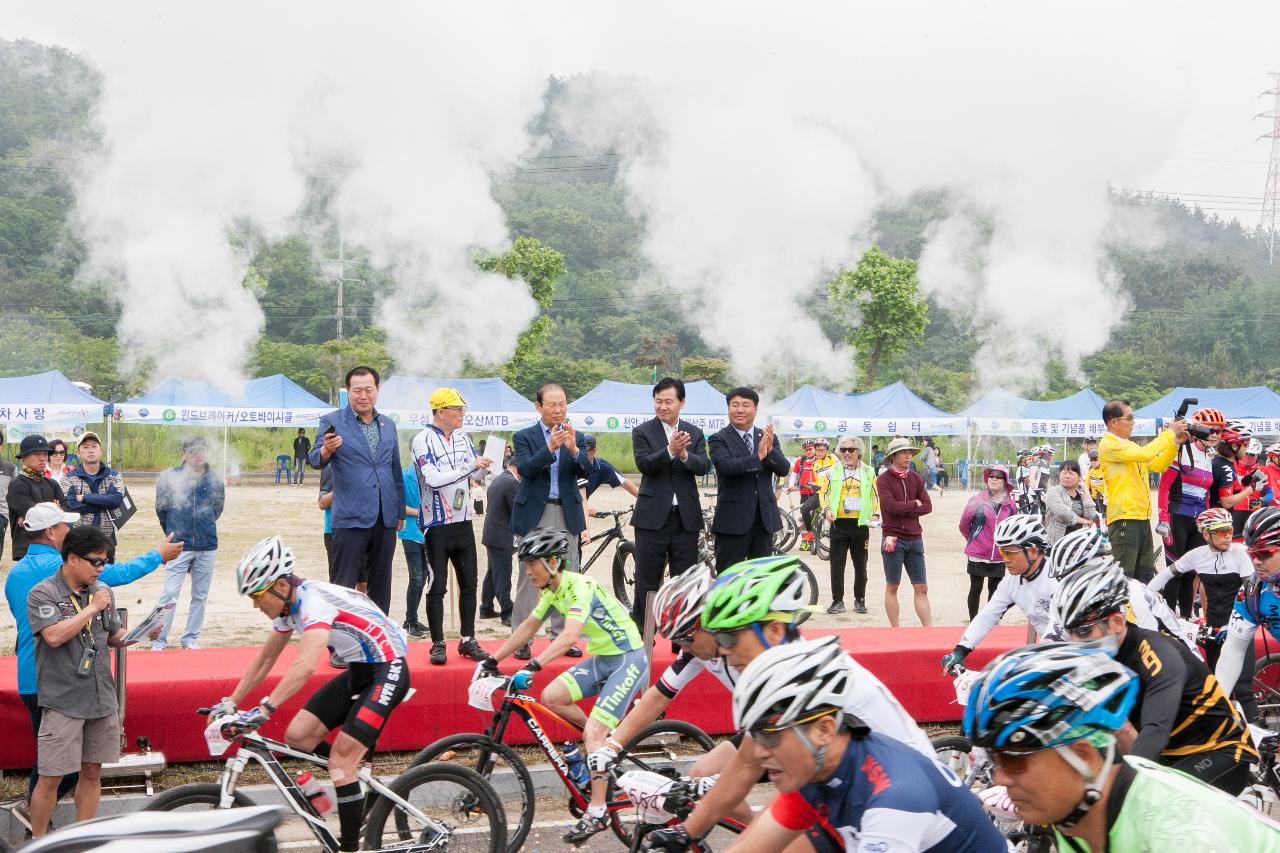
(1125, 466)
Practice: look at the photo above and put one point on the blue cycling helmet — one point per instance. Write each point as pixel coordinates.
(1047, 694)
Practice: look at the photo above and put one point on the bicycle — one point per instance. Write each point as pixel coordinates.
(470, 814)
(485, 751)
(662, 802)
(624, 558)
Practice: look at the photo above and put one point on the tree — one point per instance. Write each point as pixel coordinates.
(884, 294)
(539, 267)
(713, 370)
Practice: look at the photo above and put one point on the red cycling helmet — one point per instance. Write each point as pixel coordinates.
(1236, 432)
(1209, 417)
(1215, 518)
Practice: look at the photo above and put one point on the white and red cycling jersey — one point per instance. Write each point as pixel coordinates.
(358, 631)
(687, 666)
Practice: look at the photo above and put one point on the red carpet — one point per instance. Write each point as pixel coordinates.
(165, 688)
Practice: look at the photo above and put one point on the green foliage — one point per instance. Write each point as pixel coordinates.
(884, 294)
(715, 370)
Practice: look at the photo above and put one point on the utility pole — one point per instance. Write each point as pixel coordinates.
(1271, 195)
(341, 278)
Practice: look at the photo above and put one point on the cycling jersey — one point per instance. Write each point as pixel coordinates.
(803, 476)
(1181, 709)
(1032, 597)
(1185, 485)
(1257, 603)
(886, 798)
(1097, 486)
(1152, 809)
(605, 623)
(1221, 573)
(444, 467)
(1241, 512)
(687, 666)
(358, 631)
(1147, 609)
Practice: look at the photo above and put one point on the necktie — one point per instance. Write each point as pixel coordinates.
(746, 436)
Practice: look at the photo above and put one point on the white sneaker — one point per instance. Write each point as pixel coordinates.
(192, 646)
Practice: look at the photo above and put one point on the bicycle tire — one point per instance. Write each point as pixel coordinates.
(787, 536)
(624, 573)
(812, 582)
(479, 804)
(821, 537)
(521, 821)
(202, 793)
(1266, 690)
(697, 741)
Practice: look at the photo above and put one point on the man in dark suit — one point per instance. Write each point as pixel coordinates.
(499, 543)
(359, 445)
(550, 458)
(670, 455)
(747, 460)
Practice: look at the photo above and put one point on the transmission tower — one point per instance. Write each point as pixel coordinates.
(1271, 195)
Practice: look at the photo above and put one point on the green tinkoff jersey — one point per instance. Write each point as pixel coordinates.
(1165, 811)
(605, 622)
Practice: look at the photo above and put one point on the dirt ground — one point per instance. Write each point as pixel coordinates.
(255, 511)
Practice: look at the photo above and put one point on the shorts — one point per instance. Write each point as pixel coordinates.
(615, 679)
(64, 743)
(361, 699)
(909, 552)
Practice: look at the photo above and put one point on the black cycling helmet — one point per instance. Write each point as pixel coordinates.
(588, 441)
(1262, 530)
(543, 542)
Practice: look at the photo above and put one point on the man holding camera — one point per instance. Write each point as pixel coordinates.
(1126, 466)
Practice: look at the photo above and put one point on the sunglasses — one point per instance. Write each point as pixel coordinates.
(1010, 552)
(727, 639)
(258, 595)
(770, 736)
(96, 562)
(848, 450)
(1262, 554)
(686, 640)
(1013, 763)
(1082, 632)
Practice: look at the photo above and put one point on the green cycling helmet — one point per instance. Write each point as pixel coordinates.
(768, 589)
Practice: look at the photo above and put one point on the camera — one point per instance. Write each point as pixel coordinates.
(1197, 431)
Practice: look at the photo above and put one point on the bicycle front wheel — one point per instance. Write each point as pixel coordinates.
(785, 539)
(670, 746)
(624, 573)
(205, 796)
(456, 810)
(1266, 689)
(500, 766)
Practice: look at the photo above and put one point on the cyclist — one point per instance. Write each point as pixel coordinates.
(1145, 607)
(358, 700)
(1221, 565)
(837, 777)
(1048, 715)
(678, 613)
(822, 463)
(1229, 491)
(1023, 544)
(1183, 718)
(1258, 603)
(755, 606)
(1183, 495)
(615, 671)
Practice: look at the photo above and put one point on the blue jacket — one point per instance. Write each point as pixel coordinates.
(94, 496)
(533, 461)
(40, 564)
(189, 508)
(412, 497)
(361, 484)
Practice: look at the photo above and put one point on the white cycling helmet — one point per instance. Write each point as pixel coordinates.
(1075, 549)
(1020, 530)
(1254, 447)
(263, 565)
(791, 682)
(677, 609)
(1090, 593)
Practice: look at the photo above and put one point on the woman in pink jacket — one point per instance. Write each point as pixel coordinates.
(978, 523)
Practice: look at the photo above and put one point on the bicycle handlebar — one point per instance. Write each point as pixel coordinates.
(616, 513)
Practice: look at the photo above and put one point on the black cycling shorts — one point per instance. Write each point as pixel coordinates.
(1219, 768)
(361, 699)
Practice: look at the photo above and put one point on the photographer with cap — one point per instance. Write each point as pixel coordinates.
(47, 526)
(903, 501)
(446, 460)
(29, 488)
(1126, 466)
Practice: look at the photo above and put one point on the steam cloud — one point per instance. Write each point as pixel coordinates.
(763, 138)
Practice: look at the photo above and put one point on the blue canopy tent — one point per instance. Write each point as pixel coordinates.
(892, 410)
(1257, 405)
(1078, 416)
(491, 403)
(622, 406)
(49, 398)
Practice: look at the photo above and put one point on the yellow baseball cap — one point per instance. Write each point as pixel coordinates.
(443, 397)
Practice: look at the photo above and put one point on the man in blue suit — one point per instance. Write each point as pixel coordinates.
(551, 458)
(360, 447)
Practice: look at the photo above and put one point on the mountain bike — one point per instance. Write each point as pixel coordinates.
(659, 745)
(661, 802)
(431, 807)
(624, 559)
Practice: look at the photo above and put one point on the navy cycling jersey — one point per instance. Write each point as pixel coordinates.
(885, 797)
(1258, 604)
